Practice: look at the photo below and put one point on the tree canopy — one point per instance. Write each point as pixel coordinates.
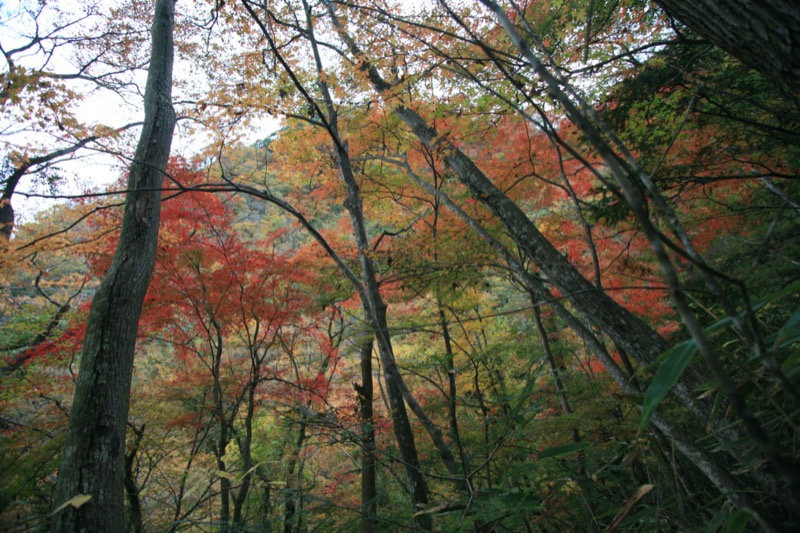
(458, 266)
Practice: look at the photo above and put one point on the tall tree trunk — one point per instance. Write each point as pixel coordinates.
(293, 481)
(375, 310)
(6, 214)
(131, 489)
(93, 461)
(224, 490)
(623, 327)
(763, 35)
(703, 460)
(365, 397)
(366, 283)
(225, 424)
(246, 450)
(371, 299)
(626, 171)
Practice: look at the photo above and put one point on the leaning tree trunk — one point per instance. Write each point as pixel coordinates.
(762, 35)
(93, 461)
(621, 325)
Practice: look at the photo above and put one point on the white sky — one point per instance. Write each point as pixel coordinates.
(91, 169)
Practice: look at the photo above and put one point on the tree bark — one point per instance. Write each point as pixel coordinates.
(764, 35)
(375, 310)
(225, 424)
(625, 328)
(368, 482)
(596, 134)
(135, 520)
(93, 461)
(705, 462)
(245, 444)
(294, 484)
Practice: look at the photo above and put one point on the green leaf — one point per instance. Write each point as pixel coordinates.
(675, 361)
(564, 449)
(719, 518)
(737, 523)
(728, 320)
(789, 333)
(715, 408)
(442, 508)
(791, 366)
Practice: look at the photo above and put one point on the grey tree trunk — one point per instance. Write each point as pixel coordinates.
(622, 326)
(132, 490)
(762, 34)
(375, 311)
(245, 445)
(294, 483)
(93, 460)
(625, 328)
(368, 479)
(371, 299)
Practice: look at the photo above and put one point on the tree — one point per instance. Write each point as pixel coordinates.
(636, 339)
(229, 309)
(369, 291)
(637, 188)
(89, 492)
(761, 36)
(569, 228)
(40, 125)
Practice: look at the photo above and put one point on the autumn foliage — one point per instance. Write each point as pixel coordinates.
(352, 238)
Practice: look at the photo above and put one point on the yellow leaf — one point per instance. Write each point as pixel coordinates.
(640, 493)
(226, 475)
(75, 501)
